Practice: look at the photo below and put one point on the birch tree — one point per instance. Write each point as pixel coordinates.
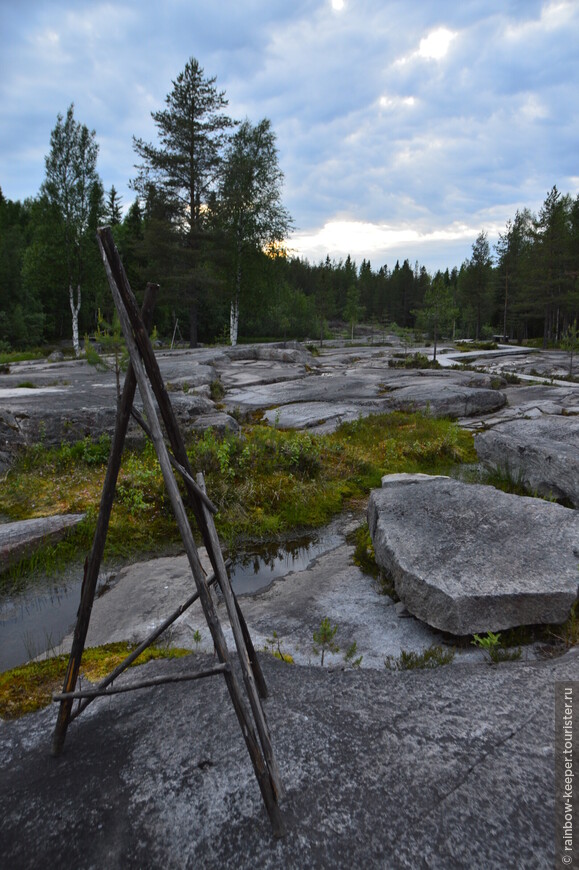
(73, 187)
(249, 207)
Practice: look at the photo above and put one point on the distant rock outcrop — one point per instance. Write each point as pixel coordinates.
(467, 558)
(543, 453)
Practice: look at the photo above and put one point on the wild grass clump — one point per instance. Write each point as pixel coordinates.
(265, 482)
(433, 657)
(416, 361)
(29, 687)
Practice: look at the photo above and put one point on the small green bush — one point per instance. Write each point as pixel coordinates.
(433, 657)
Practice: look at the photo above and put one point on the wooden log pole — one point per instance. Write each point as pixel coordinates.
(93, 562)
(117, 273)
(91, 694)
(242, 651)
(262, 773)
(134, 655)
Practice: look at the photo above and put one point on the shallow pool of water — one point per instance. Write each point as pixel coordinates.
(38, 619)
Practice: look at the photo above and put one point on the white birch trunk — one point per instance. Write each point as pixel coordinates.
(234, 310)
(233, 321)
(75, 309)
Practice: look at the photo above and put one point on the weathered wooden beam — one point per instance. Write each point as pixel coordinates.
(134, 655)
(93, 562)
(117, 273)
(143, 684)
(145, 377)
(243, 652)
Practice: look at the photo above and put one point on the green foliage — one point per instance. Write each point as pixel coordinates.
(324, 639)
(491, 644)
(466, 346)
(265, 482)
(570, 343)
(416, 361)
(364, 556)
(433, 657)
(109, 352)
(350, 656)
(216, 390)
(29, 687)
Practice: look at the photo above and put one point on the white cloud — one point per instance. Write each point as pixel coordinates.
(380, 242)
(435, 46)
(399, 157)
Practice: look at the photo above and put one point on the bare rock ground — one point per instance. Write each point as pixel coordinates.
(445, 768)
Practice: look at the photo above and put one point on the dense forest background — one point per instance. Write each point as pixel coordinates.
(208, 225)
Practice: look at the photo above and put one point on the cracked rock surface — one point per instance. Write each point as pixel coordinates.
(450, 768)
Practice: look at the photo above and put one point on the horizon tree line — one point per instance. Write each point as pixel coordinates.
(209, 225)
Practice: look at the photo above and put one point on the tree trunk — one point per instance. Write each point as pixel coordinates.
(234, 310)
(234, 321)
(75, 310)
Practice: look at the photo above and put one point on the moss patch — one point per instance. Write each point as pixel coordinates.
(29, 687)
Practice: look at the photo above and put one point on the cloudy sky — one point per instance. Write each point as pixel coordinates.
(404, 128)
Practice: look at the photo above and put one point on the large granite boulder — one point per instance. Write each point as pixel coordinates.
(543, 453)
(467, 558)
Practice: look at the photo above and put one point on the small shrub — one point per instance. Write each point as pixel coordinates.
(364, 556)
(350, 656)
(433, 657)
(324, 639)
(275, 648)
(216, 390)
(492, 646)
(416, 361)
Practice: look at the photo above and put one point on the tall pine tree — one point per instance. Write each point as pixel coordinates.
(183, 171)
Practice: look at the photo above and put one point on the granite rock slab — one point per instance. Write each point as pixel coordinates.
(468, 558)
(542, 452)
(21, 538)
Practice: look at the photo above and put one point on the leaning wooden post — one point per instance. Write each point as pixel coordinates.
(242, 649)
(261, 770)
(116, 272)
(93, 562)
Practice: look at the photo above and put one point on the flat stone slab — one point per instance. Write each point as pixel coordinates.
(542, 452)
(447, 768)
(468, 558)
(319, 416)
(20, 539)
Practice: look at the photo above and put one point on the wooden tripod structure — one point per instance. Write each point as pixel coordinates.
(144, 372)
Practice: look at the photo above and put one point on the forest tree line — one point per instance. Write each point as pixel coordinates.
(208, 224)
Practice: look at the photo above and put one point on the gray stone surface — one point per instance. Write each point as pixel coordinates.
(451, 768)
(70, 399)
(542, 452)
(293, 606)
(19, 539)
(467, 558)
(447, 399)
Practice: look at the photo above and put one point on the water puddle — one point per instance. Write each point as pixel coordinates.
(37, 619)
(254, 572)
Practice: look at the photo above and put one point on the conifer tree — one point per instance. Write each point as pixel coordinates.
(183, 172)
